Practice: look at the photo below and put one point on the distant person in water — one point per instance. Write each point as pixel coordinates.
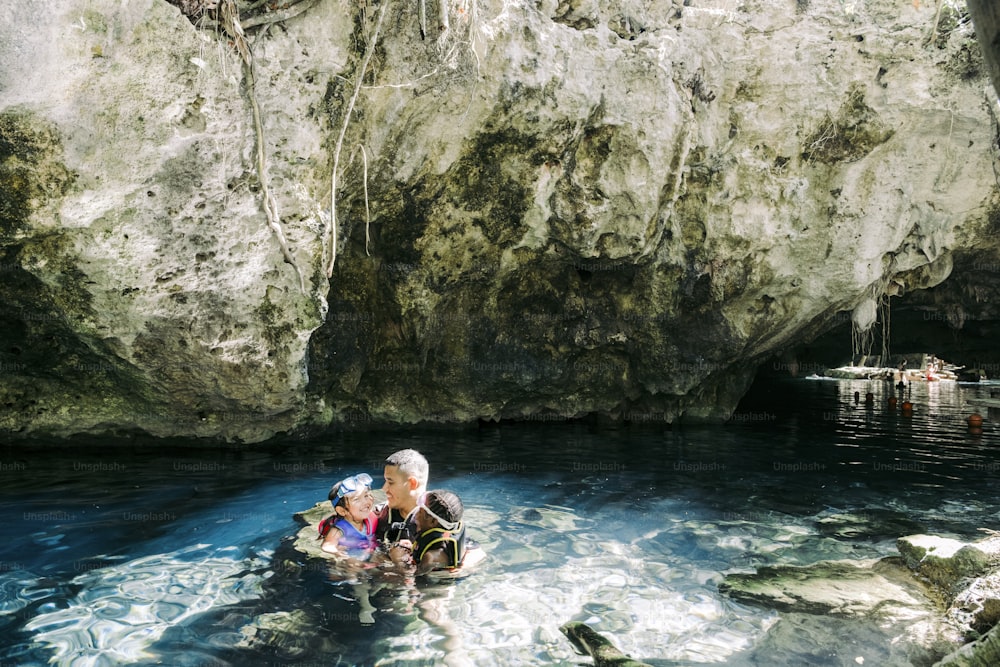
(405, 474)
(350, 530)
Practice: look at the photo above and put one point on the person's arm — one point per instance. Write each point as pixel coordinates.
(401, 553)
(435, 559)
(331, 543)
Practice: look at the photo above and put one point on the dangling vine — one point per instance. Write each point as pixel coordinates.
(224, 15)
(231, 24)
(332, 228)
(863, 339)
(883, 310)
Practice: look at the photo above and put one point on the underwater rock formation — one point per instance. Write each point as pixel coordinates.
(542, 210)
(590, 642)
(946, 562)
(938, 593)
(826, 601)
(840, 588)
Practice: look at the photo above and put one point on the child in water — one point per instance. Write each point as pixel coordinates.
(350, 530)
(440, 543)
(349, 533)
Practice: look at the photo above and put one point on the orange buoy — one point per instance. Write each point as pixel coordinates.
(892, 402)
(907, 407)
(975, 419)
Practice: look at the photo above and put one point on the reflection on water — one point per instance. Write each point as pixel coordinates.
(122, 609)
(178, 557)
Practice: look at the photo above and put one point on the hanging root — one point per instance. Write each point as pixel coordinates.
(231, 24)
(268, 18)
(475, 41)
(368, 213)
(937, 19)
(443, 18)
(343, 130)
(279, 15)
(270, 205)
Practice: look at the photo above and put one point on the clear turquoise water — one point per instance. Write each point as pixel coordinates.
(153, 553)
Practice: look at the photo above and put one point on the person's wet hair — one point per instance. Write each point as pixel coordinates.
(445, 504)
(411, 463)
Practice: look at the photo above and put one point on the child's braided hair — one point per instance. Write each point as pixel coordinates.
(445, 504)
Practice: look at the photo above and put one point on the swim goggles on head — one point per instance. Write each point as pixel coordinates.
(447, 525)
(353, 483)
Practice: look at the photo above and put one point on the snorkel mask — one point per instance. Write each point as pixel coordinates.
(447, 525)
(346, 487)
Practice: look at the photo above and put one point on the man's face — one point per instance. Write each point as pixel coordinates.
(398, 488)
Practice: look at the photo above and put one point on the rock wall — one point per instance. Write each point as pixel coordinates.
(986, 15)
(543, 209)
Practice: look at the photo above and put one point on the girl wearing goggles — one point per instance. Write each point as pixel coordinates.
(351, 529)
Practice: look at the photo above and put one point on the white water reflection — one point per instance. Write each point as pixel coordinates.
(645, 593)
(122, 609)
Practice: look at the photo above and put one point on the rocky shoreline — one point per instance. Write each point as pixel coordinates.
(937, 603)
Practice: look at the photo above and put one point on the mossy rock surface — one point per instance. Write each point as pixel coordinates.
(32, 171)
(840, 588)
(308, 540)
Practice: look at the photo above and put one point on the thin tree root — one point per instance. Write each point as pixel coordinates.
(937, 19)
(232, 26)
(368, 213)
(443, 17)
(278, 16)
(343, 130)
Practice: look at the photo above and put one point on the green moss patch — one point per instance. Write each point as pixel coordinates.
(849, 135)
(31, 167)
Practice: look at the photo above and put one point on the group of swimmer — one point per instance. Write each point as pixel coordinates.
(414, 528)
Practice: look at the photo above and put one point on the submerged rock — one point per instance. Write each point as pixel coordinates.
(307, 540)
(589, 641)
(946, 562)
(291, 634)
(984, 652)
(868, 600)
(882, 588)
(808, 639)
(868, 525)
(939, 592)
